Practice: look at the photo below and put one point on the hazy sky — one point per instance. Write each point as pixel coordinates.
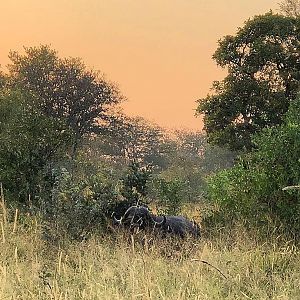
(158, 51)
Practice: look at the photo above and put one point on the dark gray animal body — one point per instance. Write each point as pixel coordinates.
(140, 217)
(179, 225)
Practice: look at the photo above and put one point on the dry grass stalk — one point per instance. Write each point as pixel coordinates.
(3, 232)
(3, 205)
(15, 221)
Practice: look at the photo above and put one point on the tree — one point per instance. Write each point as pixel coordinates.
(188, 161)
(134, 139)
(263, 62)
(253, 188)
(66, 90)
(47, 106)
(290, 8)
(2, 80)
(30, 143)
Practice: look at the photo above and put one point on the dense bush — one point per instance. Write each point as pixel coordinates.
(135, 182)
(133, 188)
(170, 194)
(252, 189)
(80, 205)
(48, 106)
(30, 143)
(189, 160)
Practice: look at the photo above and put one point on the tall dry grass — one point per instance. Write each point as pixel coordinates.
(232, 266)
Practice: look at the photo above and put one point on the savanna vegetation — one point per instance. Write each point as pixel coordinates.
(70, 158)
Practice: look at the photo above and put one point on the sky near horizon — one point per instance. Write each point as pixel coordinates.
(158, 51)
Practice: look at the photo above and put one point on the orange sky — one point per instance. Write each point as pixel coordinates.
(158, 51)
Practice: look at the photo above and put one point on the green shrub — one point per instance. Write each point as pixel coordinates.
(252, 189)
(79, 206)
(135, 183)
(30, 144)
(170, 194)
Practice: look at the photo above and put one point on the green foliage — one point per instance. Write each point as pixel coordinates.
(55, 157)
(171, 195)
(263, 77)
(135, 183)
(66, 91)
(188, 160)
(133, 139)
(252, 189)
(47, 106)
(81, 204)
(30, 143)
(2, 79)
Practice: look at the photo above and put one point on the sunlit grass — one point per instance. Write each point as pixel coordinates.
(240, 266)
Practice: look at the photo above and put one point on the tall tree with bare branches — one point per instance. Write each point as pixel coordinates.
(290, 8)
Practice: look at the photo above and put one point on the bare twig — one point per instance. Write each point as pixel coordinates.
(207, 263)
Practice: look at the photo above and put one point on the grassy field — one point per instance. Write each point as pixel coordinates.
(230, 265)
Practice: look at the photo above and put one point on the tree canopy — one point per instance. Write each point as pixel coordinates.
(136, 139)
(47, 105)
(255, 185)
(30, 142)
(66, 89)
(290, 8)
(263, 62)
